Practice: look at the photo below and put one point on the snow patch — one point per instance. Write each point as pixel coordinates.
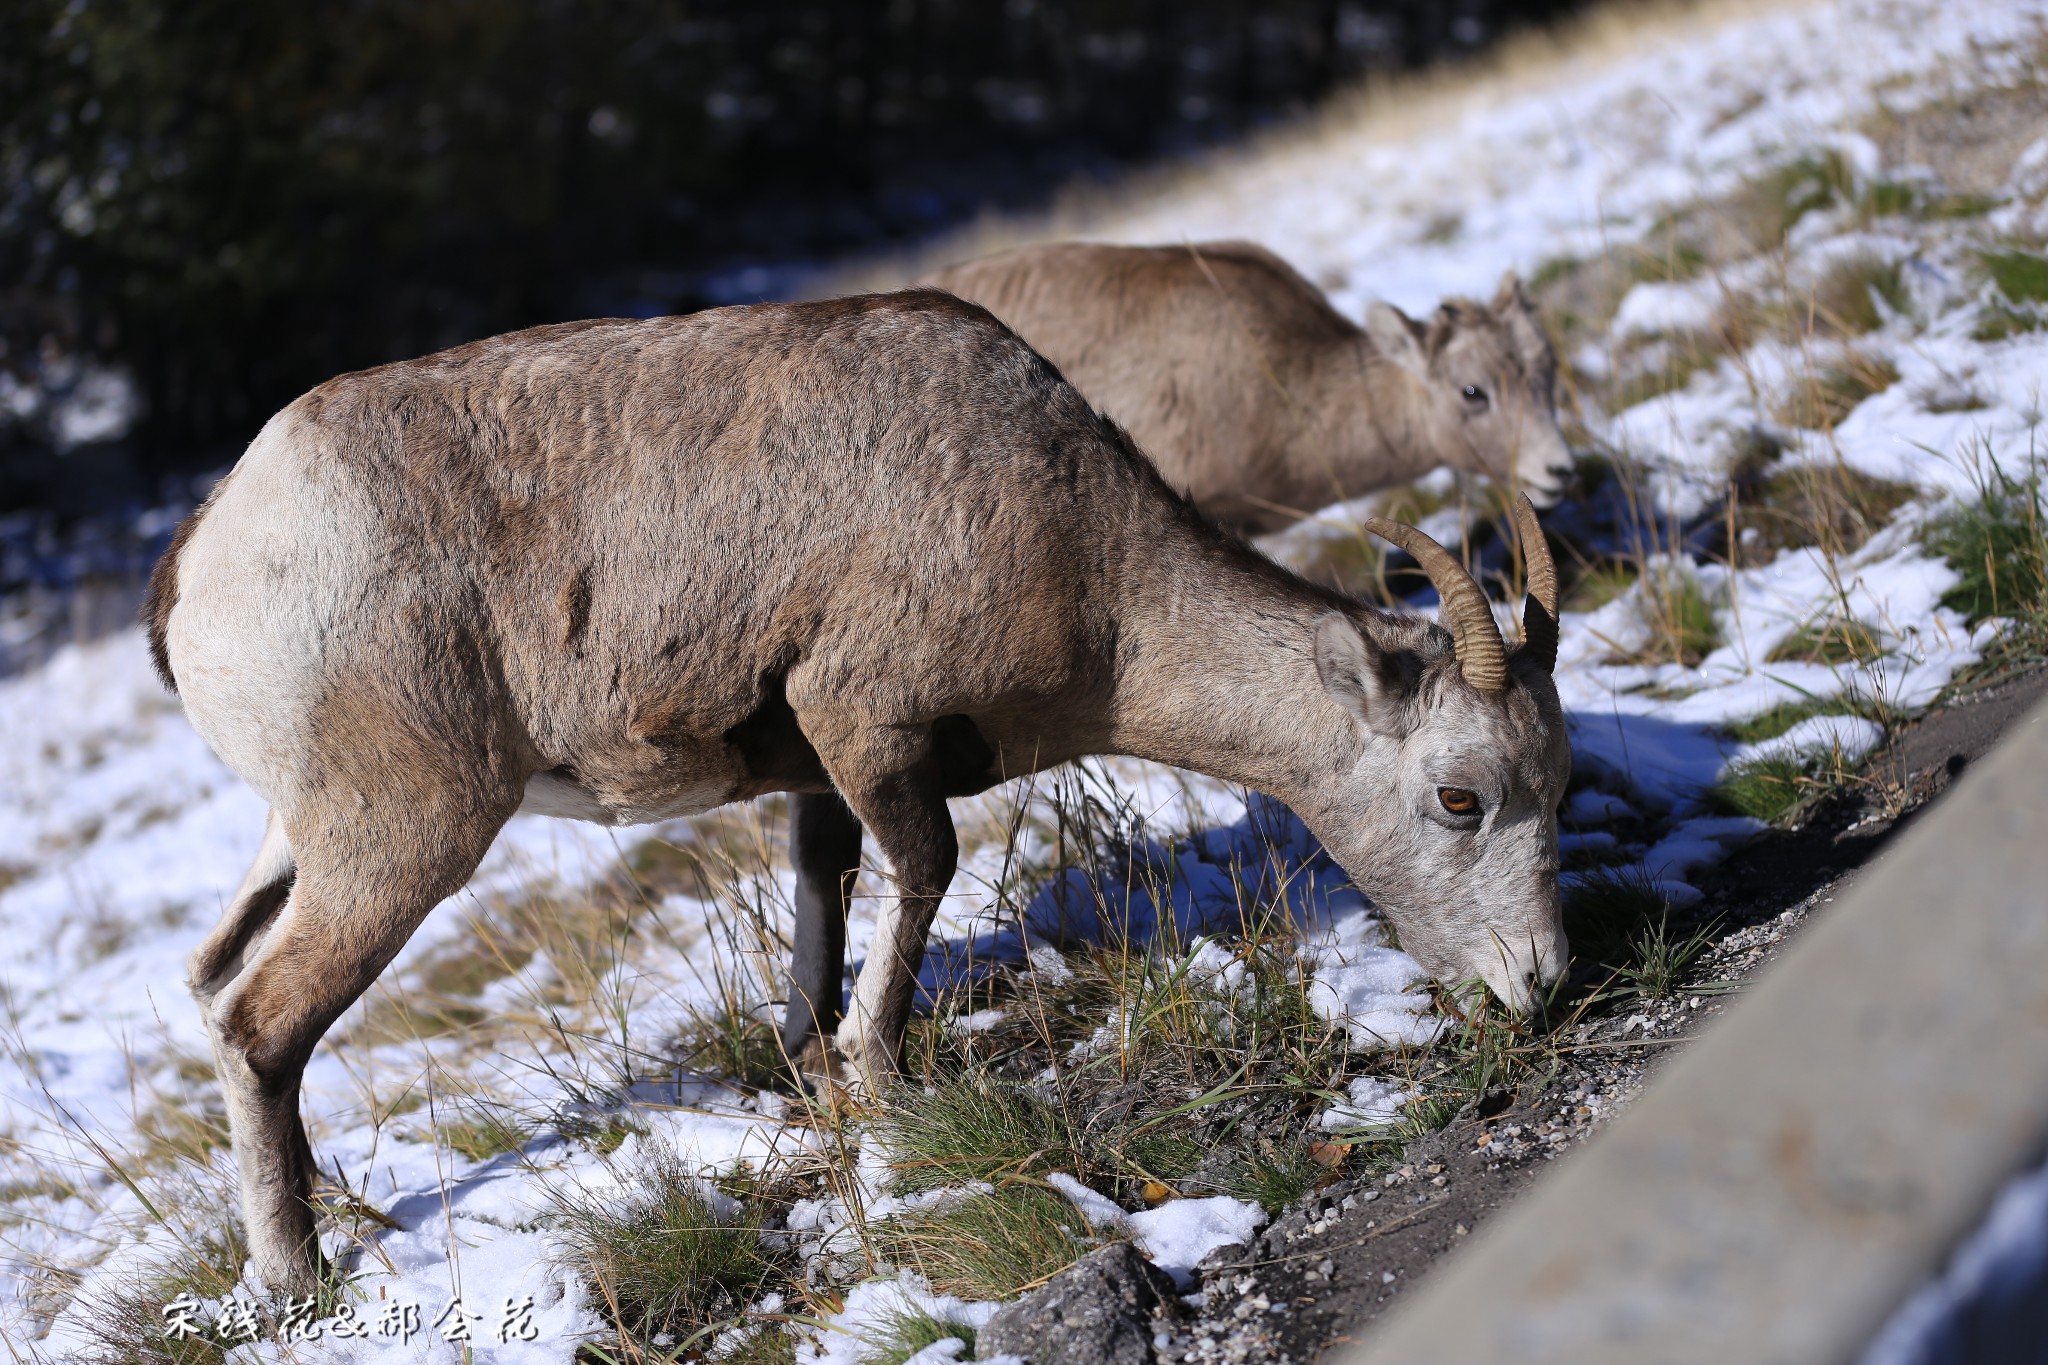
(1374, 1103)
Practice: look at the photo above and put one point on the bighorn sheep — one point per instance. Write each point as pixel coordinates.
(873, 552)
(1258, 399)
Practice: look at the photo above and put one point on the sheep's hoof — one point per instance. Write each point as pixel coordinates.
(296, 1275)
(817, 1066)
(858, 1077)
(826, 1079)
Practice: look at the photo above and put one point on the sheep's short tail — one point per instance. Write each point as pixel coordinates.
(163, 593)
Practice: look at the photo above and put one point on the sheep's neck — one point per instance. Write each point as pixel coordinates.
(1367, 425)
(1217, 670)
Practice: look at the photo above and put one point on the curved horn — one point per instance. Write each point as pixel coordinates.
(1482, 657)
(1539, 612)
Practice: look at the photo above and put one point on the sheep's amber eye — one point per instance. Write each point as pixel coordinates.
(1457, 800)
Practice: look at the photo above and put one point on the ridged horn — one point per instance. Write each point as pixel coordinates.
(1539, 611)
(1482, 656)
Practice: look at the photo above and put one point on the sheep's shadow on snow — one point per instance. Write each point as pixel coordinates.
(1662, 767)
(1216, 882)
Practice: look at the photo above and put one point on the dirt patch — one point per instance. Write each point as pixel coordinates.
(1324, 1270)
(1964, 730)
(1971, 141)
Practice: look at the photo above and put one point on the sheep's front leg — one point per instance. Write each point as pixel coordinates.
(824, 848)
(893, 786)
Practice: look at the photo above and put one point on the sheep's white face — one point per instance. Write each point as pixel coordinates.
(1447, 815)
(1488, 373)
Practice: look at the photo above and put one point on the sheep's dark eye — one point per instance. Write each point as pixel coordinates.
(1457, 800)
(1475, 395)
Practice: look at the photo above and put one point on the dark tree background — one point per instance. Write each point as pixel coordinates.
(233, 201)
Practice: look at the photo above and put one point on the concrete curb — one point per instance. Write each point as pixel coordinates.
(1794, 1174)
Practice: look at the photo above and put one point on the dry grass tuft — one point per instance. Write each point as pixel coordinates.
(1829, 639)
(906, 1334)
(1820, 398)
(988, 1246)
(2019, 281)
(672, 1257)
(1681, 619)
(489, 1131)
(1998, 542)
(1777, 789)
(1829, 505)
(1855, 294)
(199, 1264)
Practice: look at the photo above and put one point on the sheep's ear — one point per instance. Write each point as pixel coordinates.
(1359, 675)
(1510, 294)
(1398, 337)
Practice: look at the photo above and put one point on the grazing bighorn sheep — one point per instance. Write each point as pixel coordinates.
(872, 549)
(1258, 399)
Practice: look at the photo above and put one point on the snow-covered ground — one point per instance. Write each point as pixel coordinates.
(121, 836)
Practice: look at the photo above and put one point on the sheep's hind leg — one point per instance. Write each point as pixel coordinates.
(218, 960)
(366, 877)
(824, 848)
